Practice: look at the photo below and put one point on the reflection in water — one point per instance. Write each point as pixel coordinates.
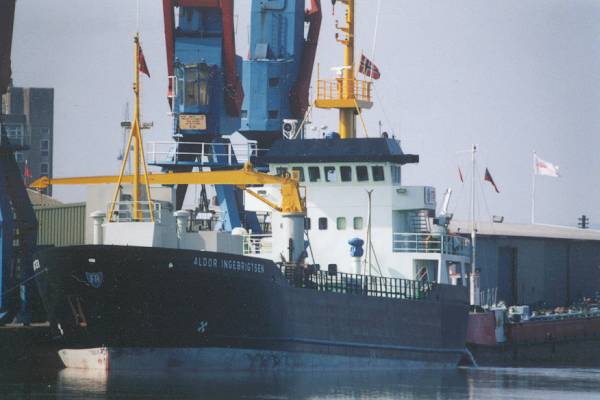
(266, 385)
(407, 384)
(459, 384)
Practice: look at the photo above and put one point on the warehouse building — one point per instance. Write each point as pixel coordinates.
(536, 264)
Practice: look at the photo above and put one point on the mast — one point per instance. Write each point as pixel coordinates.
(347, 116)
(533, 189)
(140, 169)
(473, 230)
(345, 93)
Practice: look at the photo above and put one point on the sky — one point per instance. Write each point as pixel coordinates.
(512, 76)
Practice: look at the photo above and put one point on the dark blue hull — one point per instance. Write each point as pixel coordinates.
(156, 298)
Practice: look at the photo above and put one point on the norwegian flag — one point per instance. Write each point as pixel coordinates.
(368, 68)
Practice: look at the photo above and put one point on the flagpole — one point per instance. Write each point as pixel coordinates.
(533, 191)
(473, 231)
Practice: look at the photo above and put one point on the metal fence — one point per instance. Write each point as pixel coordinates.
(395, 288)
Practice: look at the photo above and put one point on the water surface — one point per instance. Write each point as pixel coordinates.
(470, 383)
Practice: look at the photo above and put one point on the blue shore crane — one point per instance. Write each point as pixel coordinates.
(213, 93)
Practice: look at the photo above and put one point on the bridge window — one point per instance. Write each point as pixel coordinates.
(377, 171)
(330, 174)
(358, 223)
(281, 171)
(346, 173)
(341, 223)
(44, 169)
(300, 171)
(362, 173)
(314, 174)
(322, 223)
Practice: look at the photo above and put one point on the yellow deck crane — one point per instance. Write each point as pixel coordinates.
(292, 205)
(292, 201)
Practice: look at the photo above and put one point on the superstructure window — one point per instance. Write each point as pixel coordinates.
(322, 223)
(314, 174)
(358, 223)
(346, 173)
(300, 171)
(330, 174)
(377, 171)
(341, 223)
(307, 224)
(362, 173)
(44, 168)
(396, 175)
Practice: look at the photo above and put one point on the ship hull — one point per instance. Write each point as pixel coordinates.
(166, 308)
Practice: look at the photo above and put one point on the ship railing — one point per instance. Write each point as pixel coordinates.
(431, 243)
(203, 152)
(375, 286)
(258, 245)
(124, 211)
(338, 89)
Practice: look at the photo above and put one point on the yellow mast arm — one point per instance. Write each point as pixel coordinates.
(292, 201)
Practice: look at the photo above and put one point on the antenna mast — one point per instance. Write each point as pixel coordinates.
(345, 93)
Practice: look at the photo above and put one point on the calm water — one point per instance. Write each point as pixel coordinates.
(483, 383)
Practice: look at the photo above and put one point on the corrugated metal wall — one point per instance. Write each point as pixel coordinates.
(61, 225)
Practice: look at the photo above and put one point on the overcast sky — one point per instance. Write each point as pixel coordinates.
(512, 76)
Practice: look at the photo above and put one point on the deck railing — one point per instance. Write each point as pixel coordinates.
(395, 288)
(334, 89)
(431, 243)
(228, 153)
(258, 245)
(123, 211)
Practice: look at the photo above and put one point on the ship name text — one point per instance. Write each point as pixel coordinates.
(228, 264)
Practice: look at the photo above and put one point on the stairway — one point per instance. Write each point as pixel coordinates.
(419, 222)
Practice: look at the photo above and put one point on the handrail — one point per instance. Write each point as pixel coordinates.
(430, 243)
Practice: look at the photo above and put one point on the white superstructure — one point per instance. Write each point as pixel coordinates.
(407, 241)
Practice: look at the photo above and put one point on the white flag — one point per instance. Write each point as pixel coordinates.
(545, 168)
